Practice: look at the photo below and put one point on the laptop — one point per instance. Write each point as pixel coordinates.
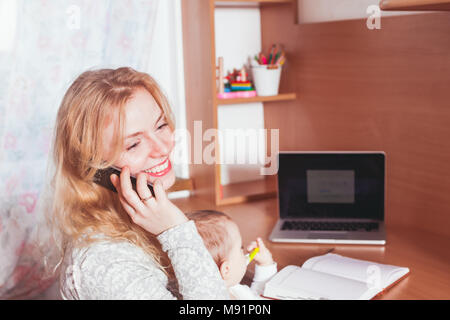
(331, 197)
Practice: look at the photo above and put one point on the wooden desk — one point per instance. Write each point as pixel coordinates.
(426, 254)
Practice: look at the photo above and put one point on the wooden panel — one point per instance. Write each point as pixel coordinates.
(420, 5)
(361, 89)
(198, 70)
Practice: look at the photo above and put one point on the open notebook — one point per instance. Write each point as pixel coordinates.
(333, 277)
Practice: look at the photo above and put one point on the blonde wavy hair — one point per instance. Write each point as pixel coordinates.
(81, 208)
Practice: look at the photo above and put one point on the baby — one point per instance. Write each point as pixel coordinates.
(223, 240)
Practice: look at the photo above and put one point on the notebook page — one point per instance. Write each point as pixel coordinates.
(371, 273)
(293, 282)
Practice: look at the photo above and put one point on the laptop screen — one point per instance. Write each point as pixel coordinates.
(331, 185)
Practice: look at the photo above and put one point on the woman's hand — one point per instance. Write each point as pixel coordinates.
(263, 257)
(154, 214)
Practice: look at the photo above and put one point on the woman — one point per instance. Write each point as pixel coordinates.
(121, 118)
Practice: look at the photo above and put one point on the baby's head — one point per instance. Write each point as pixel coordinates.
(224, 242)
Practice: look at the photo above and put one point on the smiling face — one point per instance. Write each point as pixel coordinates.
(148, 139)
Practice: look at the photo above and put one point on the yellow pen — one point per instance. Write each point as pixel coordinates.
(252, 254)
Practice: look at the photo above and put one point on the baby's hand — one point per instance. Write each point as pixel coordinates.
(263, 257)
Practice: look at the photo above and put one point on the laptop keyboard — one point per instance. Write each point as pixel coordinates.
(329, 226)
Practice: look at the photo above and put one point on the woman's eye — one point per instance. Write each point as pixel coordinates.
(134, 145)
(162, 126)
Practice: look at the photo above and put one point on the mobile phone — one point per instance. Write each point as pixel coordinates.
(102, 177)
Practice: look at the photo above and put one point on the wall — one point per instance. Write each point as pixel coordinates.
(361, 89)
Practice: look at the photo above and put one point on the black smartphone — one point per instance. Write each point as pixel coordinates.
(102, 177)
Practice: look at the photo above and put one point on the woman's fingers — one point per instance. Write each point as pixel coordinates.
(143, 190)
(129, 209)
(160, 193)
(128, 193)
(156, 218)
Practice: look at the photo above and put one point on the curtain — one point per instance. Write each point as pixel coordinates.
(48, 43)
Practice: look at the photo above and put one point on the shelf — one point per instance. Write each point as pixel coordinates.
(249, 190)
(280, 97)
(220, 3)
(413, 5)
(255, 1)
(182, 185)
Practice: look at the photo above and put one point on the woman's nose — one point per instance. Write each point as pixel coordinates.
(159, 147)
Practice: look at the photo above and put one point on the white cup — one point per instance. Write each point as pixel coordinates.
(267, 80)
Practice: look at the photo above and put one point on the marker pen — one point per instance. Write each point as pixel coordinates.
(252, 255)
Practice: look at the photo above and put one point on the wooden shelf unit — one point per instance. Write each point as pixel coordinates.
(415, 5)
(202, 102)
(250, 190)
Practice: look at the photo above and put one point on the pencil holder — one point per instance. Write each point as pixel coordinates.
(266, 79)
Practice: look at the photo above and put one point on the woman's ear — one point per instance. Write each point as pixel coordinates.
(225, 270)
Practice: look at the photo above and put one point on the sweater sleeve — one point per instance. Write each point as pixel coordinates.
(121, 270)
(262, 275)
(197, 274)
(113, 271)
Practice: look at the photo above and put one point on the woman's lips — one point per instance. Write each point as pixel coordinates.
(162, 172)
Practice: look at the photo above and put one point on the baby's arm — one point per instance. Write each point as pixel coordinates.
(265, 267)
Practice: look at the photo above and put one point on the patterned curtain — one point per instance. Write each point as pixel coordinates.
(50, 42)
